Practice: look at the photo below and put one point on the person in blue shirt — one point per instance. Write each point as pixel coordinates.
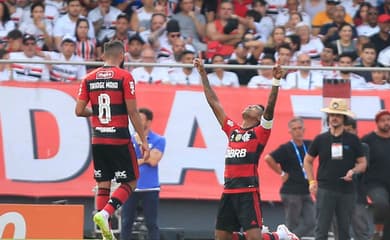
(148, 185)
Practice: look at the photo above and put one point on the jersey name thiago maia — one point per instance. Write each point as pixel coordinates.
(107, 88)
(242, 156)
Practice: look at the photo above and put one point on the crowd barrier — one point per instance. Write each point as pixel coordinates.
(45, 149)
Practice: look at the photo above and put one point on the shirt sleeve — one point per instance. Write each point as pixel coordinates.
(228, 126)
(83, 93)
(313, 149)
(129, 86)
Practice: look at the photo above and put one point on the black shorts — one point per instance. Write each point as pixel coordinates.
(239, 210)
(114, 161)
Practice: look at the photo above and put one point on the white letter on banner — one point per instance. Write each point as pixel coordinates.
(187, 107)
(17, 220)
(74, 135)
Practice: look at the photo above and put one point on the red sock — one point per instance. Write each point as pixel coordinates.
(270, 236)
(102, 197)
(118, 197)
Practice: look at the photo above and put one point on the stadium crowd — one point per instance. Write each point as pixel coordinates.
(254, 32)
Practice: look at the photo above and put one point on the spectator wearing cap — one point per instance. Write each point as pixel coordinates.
(32, 72)
(6, 24)
(67, 23)
(104, 19)
(66, 72)
(220, 77)
(331, 31)
(341, 155)
(85, 46)
(381, 39)
(192, 24)
(173, 32)
(310, 45)
(371, 27)
(134, 50)
(121, 33)
(39, 27)
(148, 74)
(223, 33)
(324, 17)
(377, 175)
(186, 75)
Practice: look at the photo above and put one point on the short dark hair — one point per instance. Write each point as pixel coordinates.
(15, 34)
(346, 54)
(332, 47)
(369, 45)
(254, 14)
(284, 45)
(148, 113)
(113, 48)
(348, 121)
(185, 52)
(124, 16)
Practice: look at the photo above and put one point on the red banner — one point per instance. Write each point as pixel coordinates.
(45, 148)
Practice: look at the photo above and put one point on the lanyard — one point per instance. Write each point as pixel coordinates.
(299, 156)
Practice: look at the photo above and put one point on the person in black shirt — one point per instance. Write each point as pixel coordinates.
(340, 157)
(287, 161)
(377, 176)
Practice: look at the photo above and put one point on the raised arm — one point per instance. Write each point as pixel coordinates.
(269, 110)
(211, 97)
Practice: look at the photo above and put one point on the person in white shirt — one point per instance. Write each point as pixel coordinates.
(145, 14)
(265, 26)
(5, 74)
(187, 75)
(309, 44)
(32, 72)
(156, 33)
(50, 13)
(135, 47)
(220, 77)
(371, 27)
(357, 81)
(67, 23)
(304, 79)
(264, 79)
(39, 27)
(6, 24)
(151, 75)
(283, 16)
(67, 72)
(379, 81)
(104, 18)
(384, 57)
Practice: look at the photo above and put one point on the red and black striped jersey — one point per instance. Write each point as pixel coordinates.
(242, 156)
(107, 88)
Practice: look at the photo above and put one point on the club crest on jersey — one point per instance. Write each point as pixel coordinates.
(27, 70)
(241, 137)
(104, 74)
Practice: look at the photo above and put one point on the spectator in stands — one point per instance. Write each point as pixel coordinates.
(327, 59)
(265, 25)
(264, 78)
(287, 161)
(148, 186)
(313, 7)
(50, 13)
(381, 39)
(166, 7)
(341, 156)
(85, 46)
(309, 44)
(277, 37)
(284, 17)
(6, 24)
(357, 82)
(346, 42)
(304, 79)
(283, 56)
(144, 14)
(223, 33)
(187, 75)
(243, 57)
(384, 57)
(377, 178)
(32, 72)
(67, 23)
(5, 74)
(291, 25)
(274, 7)
(384, 8)
(134, 50)
(380, 81)
(371, 27)
(60, 5)
(361, 16)
(178, 47)
(156, 33)
(39, 27)
(192, 24)
(351, 6)
(104, 19)
(120, 33)
(15, 41)
(67, 72)
(295, 44)
(330, 32)
(327, 16)
(368, 59)
(17, 9)
(147, 74)
(220, 77)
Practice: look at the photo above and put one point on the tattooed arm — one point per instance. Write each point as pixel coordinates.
(211, 97)
(269, 110)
